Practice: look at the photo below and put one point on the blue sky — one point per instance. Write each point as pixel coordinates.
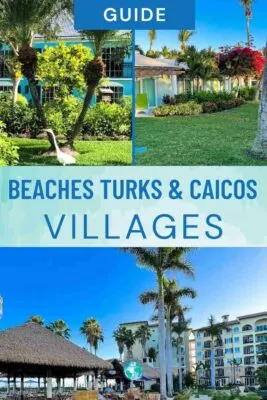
(74, 284)
(218, 22)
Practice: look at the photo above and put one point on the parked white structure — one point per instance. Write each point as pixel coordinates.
(239, 353)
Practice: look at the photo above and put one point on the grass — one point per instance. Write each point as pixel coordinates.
(208, 139)
(90, 152)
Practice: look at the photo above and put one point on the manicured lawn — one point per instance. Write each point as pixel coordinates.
(208, 139)
(90, 152)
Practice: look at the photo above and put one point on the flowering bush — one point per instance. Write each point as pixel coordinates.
(8, 152)
(209, 107)
(189, 108)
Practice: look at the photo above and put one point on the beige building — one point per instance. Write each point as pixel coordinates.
(239, 352)
(188, 347)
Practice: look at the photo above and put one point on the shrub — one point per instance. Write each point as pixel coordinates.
(220, 395)
(62, 114)
(108, 120)
(8, 152)
(209, 107)
(182, 396)
(155, 387)
(248, 93)
(190, 108)
(20, 119)
(202, 97)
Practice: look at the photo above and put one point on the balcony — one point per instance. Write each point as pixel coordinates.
(261, 339)
(248, 339)
(249, 360)
(249, 350)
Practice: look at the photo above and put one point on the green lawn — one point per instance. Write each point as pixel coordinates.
(90, 152)
(208, 139)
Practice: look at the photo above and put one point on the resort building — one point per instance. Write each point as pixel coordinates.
(238, 354)
(118, 82)
(140, 354)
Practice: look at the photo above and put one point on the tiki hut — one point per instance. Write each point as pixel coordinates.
(31, 350)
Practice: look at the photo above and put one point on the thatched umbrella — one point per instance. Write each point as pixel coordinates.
(31, 350)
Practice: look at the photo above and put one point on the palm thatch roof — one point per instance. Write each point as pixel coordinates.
(34, 349)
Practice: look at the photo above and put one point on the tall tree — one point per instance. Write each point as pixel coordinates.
(95, 70)
(260, 144)
(119, 336)
(37, 319)
(92, 331)
(160, 261)
(214, 330)
(143, 334)
(60, 328)
(20, 21)
(173, 308)
(10, 60)
(183, 37)
(152, 34)
(248, 13)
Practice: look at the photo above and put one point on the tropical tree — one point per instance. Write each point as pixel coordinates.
(152, 353)
(214, 331)
(63, 68)
(20, 21)
(119, 336)
(160, 261)
(183, 37)
(95, 70)
(165, 51)
(172, 300)
(152, 34)
(92, 331)
(129, 341)
(37, 319)
(248, 12)
(10, 60)
(179, 328)
(234, 365)
(261, 375)
(60, 328)
(143, 334)
(260, 144)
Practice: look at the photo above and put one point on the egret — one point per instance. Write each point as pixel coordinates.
(63, 158)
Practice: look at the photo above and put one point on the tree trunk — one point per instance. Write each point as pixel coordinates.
(79, 123)
(162, 354)
(248, 31)
(16, 82)
(169, 356)
(260, 145)
(212, 366)
(180, 368)
(257, 94)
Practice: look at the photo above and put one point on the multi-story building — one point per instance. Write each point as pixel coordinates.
(238, 354)
(187, 348)
(118, 64)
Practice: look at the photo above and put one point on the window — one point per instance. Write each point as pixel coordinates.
(236, 339)
(261, 328)
(236, 329)
(228, 351)
(198, 344)
(237, 349)
(48, 94)
(198, 335)
(5, 88)
(3, 69)
(228, 341)
(116, 95)
(199, 354)
(113, 59)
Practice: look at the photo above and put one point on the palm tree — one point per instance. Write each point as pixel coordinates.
(143, 334)
(234, 364)
(152, 37)
(152, 353)
(183, 37)
(95, 70)
(160, 261)
(60, 328)
(119, 336)
(37, 319)
(172, 297)
(179, 328)
(129, 341)
(20, 21)
(214, 330)
(93, 333)
(259, 147)
(248, 12)
(165, 51)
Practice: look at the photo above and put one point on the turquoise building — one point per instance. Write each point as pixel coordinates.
(118, 82)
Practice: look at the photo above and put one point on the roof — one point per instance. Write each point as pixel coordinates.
(65, 22)
(147, 66)
(256, 315)
(33, 344)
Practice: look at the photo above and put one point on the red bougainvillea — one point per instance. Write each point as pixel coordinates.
(240, 62)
